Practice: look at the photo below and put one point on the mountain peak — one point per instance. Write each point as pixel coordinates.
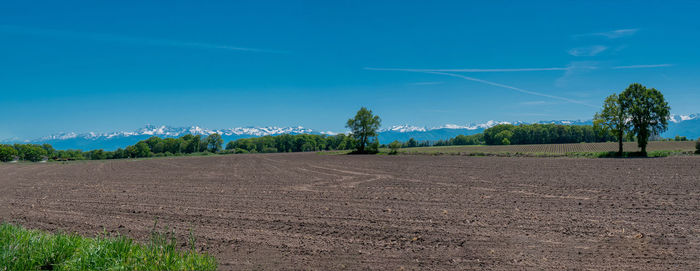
(679, 118)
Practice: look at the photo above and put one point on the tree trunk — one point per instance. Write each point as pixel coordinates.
(361, 148)
(643, 139)
(619, 140)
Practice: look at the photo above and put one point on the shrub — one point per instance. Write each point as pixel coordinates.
(505, 141)
(372, 148)
(394, 146)
(697, 146)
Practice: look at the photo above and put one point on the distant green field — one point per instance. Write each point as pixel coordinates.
(556, 149)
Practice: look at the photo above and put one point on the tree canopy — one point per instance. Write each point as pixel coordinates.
(648, 112)
(214, 142)
(612, 119)
(7, 153)
(364, 127)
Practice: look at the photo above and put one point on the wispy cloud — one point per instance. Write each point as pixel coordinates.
(470, 70)
(619, 33)
(535, 93)
(643, 66)
(572, 67)
(125, 39)
(570, 70)
(588, 51)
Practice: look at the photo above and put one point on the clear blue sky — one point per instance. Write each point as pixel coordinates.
(96, 66)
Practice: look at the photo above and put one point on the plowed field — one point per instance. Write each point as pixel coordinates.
(329, 212)
(554, 148)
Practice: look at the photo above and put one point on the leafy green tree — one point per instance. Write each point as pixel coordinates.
(613, 118)
(503, 137)
(172, 145)
(648, 112)
(231, 145)
(50, 151)
(187, 145)
(154, 144)
(7, 153)
(31, 152)
(214, 142)
(363, 127)
(120, 154)
(411, 143)
(97, 154)
(202, 143)
(141, 149)
(395, 146)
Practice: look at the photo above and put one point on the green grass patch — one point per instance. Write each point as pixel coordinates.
(24, 249)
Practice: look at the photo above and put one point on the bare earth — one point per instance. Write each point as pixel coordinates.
(327, 212)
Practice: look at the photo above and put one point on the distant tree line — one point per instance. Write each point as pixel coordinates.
(291, 143)
(185, 145)
(506, 134)
(154, 146)
(476, 139)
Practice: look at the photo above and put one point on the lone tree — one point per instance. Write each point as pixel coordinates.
(214, 142)
(612, 119)
(363, 127)
(648, 112)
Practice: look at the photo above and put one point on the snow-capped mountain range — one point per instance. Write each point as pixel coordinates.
(684, 125)
(167, 131)
(409, 128)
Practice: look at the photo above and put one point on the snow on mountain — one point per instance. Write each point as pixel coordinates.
(404, 129)
(472, 126)
(263, 131)
(679, 118)
(167, 131)
(61, 136)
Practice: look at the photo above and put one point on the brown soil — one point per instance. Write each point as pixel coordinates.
(329, 212)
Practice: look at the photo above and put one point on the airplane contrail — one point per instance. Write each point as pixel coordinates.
(441, 72)
(126, 39)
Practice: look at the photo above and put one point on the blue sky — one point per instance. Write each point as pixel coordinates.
(88, 66)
